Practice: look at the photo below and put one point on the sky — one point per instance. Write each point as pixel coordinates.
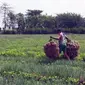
(49, 7)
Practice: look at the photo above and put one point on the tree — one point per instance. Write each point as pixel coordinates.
(34, 12)
(5, 9)
(68, 20)
(49, 22)
(32, 19)
(20, 22)
(12, 20)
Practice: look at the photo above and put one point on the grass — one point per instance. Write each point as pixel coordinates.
(23, 62)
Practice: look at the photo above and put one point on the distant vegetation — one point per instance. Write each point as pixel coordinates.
(33, 22)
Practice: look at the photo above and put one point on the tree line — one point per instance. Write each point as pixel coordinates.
(34, 22)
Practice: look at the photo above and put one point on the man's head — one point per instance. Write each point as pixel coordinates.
(59, 31)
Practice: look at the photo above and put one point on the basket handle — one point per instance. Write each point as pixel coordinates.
(52, 38)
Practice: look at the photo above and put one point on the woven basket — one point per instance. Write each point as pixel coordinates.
(72, 49)
(51, 50)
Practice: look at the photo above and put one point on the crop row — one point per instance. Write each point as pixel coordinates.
(11, 75)
(18, 52)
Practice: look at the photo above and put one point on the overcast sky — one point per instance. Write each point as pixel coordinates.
(51, 7)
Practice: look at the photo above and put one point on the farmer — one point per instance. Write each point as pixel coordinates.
(62, 42)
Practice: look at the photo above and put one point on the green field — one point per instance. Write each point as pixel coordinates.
(23, 62)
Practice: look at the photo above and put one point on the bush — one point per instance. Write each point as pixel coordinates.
(80, 30)
(9, 32)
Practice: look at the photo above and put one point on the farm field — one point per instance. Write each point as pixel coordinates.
(23, 62)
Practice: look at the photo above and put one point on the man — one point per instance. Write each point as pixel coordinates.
(62, 42)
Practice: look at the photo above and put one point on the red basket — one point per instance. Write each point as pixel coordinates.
(51, 50)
